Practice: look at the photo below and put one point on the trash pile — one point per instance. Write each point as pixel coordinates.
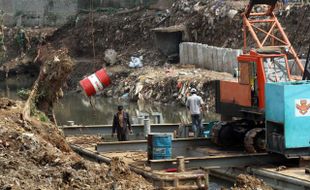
(247, 182)
(35, 155)
(166, 85)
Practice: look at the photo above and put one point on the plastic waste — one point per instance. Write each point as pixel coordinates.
(136, 62)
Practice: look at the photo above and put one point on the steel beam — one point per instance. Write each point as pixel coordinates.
(90, 155)
(210, 162)
(280, 181)
(107, 129)
(180, 146)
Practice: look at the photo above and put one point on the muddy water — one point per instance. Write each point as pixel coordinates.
(10, 87)
(78, 108)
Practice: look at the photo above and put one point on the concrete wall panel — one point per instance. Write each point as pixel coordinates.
(209, 57)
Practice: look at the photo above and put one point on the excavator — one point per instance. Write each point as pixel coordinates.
(267, 109)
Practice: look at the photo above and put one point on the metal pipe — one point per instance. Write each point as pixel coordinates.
(278, 177)
(89, 154)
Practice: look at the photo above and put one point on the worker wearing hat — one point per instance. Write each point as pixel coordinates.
(194, 105)
(121, 124)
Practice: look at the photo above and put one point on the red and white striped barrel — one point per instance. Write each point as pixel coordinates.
(95, 82)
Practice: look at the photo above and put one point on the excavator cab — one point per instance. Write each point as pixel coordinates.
(241, 103)
(246, 98)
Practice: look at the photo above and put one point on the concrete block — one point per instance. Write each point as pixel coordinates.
(200, 55)
(220, 56)
(190, 53)
(235, 54)
(195, 53)
(182, 53)
(214, 58)
(205, 56)
(226, 62)
(209, 58)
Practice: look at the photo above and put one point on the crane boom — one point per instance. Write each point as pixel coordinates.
(274, 37)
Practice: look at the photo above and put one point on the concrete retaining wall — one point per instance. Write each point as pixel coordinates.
(209, 57)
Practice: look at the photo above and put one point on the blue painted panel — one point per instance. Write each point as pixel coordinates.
(289, 103)
(161, 146)
(297, 115)
(274, 102)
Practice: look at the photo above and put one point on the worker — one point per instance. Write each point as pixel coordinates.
(271, 3)
(194, 104)
(22, 40)
(121, 124)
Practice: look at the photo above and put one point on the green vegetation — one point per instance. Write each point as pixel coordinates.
(23, 93)
(38, 114)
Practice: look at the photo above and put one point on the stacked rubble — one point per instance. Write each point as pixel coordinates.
(166, 85)
(34, 155)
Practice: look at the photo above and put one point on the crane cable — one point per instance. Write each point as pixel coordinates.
(92, 100)
(92, 28)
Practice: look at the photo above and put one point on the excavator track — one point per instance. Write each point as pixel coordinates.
(224, 134)
(215, 132)
(254, 140)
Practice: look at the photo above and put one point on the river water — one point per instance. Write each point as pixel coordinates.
(78, 108)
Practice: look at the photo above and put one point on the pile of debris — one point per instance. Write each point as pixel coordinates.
(35, 155)
(247, 182)
(166, 85)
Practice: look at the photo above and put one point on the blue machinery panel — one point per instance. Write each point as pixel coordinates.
(288, 104)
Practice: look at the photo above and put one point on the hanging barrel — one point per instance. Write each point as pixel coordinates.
(95, 82)
(159, 146)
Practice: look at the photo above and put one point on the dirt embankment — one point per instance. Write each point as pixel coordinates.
(35, 155)
(217, 23)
